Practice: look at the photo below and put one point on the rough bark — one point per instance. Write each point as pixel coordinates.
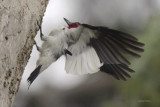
(18, 27)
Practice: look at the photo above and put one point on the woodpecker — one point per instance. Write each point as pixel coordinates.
(88, 49)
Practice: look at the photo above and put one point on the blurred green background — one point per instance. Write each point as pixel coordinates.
(100, 89)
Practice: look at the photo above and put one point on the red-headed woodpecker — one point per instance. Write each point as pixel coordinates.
(88, 49)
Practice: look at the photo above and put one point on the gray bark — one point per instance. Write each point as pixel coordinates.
(18, 27)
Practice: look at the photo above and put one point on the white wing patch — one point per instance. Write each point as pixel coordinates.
(84, 58)
(84, 63)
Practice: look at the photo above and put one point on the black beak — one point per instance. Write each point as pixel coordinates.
(67, 21)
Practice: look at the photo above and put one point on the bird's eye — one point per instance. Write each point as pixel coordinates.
(63, 28)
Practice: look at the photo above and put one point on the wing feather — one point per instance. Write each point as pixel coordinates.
(86, 62)
(101, 48)
(116, 54)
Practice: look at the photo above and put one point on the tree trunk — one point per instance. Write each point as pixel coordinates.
(18, 27)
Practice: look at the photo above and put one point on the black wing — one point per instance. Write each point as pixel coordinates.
(111, 46)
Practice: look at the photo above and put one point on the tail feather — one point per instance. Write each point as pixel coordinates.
(33, 75)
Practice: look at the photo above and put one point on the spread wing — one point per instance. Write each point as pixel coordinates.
(101, 48)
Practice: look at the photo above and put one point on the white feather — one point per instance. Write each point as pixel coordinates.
(84, 58)
(84, 63)
(52, 46)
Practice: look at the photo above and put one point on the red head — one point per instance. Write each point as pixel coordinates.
(72, 24)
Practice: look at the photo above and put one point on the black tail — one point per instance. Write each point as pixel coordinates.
(33, 75)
